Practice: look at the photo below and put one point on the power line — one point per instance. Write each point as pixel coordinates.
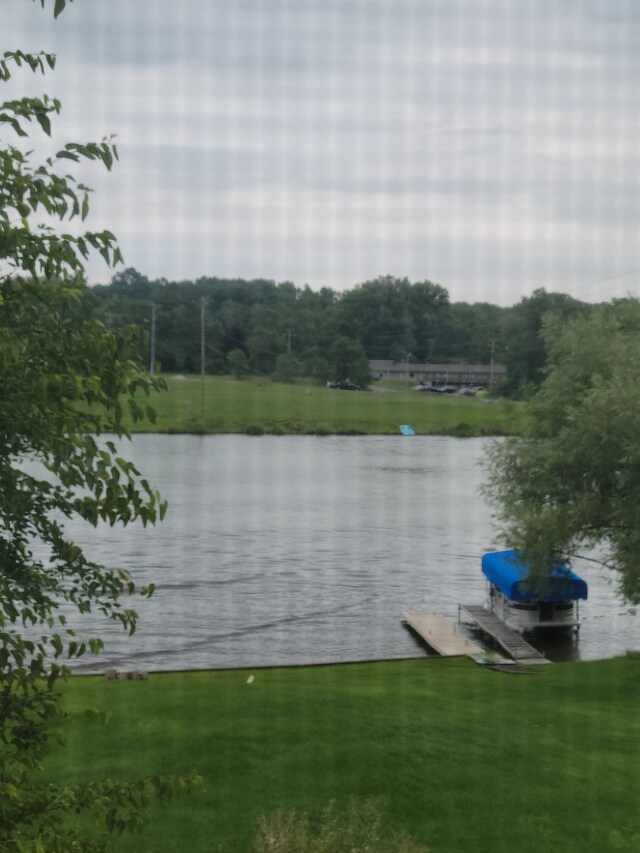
(609, 278)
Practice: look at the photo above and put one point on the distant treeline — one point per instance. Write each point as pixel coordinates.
(277, 329)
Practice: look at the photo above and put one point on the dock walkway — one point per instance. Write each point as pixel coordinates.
(442, 633)
(512, 642)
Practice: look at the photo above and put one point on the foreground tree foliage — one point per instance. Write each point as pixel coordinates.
(63, 380)
(572, 479)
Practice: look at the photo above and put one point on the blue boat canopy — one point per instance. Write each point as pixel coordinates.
(506, 571)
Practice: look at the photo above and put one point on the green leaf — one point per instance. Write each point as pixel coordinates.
(65, 378)
(44, 122)
(59, 7)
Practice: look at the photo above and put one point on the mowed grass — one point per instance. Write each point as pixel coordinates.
(261, 406)
(465, 758)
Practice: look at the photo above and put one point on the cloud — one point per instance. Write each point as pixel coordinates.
(489, 146)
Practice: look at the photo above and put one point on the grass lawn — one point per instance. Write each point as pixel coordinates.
(261, 406)
(466, 759)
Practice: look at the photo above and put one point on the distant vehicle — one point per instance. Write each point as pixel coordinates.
(469, 391)
(437, 389)
(344, 385)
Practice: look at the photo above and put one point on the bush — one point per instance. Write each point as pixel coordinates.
(462, 430)
(358, 830)
(287, 369)
(238, 363)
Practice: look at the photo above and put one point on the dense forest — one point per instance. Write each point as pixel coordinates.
(261, 327)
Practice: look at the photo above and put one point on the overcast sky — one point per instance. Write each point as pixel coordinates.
(491, 147)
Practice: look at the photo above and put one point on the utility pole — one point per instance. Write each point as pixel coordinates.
(493, 344)
(289, 342)
(202, 356)
(152, 357)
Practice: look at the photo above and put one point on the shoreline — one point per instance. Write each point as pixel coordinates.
(224, 405)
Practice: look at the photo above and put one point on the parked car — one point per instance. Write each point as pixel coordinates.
(344, 385)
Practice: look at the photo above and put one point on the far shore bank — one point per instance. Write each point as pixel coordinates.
(222, 404)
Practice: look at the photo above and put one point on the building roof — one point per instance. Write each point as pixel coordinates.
(425, 367)
(507, 571)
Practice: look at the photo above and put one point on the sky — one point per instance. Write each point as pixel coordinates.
(489, 147)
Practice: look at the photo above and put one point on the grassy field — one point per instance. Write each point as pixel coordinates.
(261, 406)
(466, 759)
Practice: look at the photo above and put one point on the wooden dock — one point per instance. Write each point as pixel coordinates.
(441, 633)
(513, 643)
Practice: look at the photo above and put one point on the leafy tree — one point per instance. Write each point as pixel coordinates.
(347, 360)
(63, 380)
(238, 363)
(524, 347)
(287, 368)
(266, 340)
(317, 366)
(132, 282)
(233, 319)
(391, 317)
(572, 479)
(469, 331)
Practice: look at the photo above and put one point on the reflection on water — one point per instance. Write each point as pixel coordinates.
(280, 550)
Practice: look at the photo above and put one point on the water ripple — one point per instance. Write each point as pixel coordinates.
(283, 549)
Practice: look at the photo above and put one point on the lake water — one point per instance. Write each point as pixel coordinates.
(282, 549)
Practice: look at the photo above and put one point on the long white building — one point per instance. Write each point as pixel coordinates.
(458, 375)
